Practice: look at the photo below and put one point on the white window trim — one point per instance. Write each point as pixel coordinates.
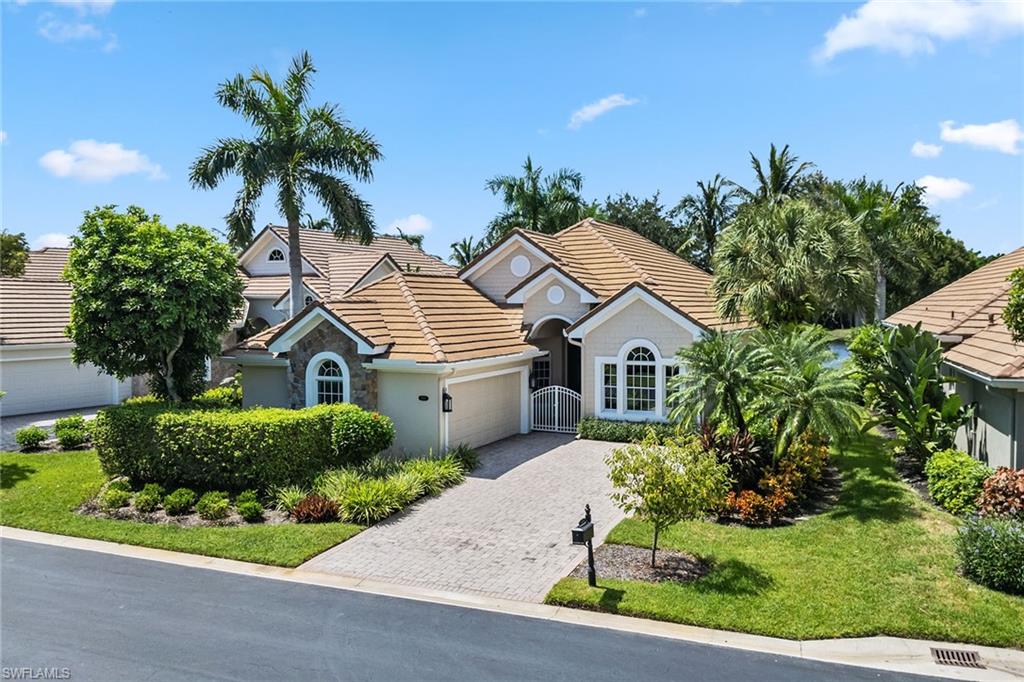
(313, 366)
(621, 413)
(283, 253)
(501, 252)
(551, 276)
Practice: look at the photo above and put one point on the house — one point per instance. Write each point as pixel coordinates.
(471, 357)
(36, 370)
(967, 318)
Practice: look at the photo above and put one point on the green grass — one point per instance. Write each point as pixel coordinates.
(41, 492)
(880, 562)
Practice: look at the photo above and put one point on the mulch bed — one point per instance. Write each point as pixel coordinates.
(91, 508)
(627, 562)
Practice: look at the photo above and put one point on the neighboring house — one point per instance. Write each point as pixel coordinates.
(967, 317)
(36, 370)
(470, 357)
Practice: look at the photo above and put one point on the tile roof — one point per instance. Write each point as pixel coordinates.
(318, 247)
(275, 286)
(46, 263)
(992, 352)
(33, 310)
(963, 307)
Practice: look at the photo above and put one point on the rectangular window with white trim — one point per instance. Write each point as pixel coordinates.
(609, 387)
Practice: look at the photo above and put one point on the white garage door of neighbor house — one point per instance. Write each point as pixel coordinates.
(49, 385)
(484, 410)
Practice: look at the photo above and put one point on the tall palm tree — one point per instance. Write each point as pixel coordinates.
(806, 390)
(319, 224)
(465, 250)
(535, 202)
(717, 374)
(789, 263)
(299, 149)
(782, 179)
(705, 215)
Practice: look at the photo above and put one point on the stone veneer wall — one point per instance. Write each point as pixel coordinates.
(327, 337)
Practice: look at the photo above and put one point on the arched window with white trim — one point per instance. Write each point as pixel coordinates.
(275, 256)
(641, 380)
(327, 380)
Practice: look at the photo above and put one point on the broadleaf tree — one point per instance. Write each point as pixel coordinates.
(13, 254)
(147, 299)
(299, 150)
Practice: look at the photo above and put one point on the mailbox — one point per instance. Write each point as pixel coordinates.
(583, 533)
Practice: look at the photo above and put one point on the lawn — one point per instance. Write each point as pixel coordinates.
(42, 491)
(880, 562)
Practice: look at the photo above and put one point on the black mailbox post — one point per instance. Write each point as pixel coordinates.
(583, 534)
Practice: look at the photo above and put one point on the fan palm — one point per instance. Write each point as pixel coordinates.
(535, 202)
(716, 376)
(465, 250)
(705, 215)
(298, 149)
(781, 180)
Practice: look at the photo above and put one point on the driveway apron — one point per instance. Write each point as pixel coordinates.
(503, 533)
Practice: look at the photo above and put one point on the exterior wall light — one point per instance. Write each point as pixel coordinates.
(446, 401)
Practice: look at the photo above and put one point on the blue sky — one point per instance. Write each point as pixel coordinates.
(109, 102)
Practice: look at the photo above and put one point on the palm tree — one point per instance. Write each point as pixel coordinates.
(319, 224)
(716, 376)
(465, 250)
(805, 389)
(783, 179)
(411, 239)
(543, 204)
(299, 149)
(706, 214)
(790, 263)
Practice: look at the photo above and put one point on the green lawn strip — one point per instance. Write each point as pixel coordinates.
(881, 562)
(41, 492)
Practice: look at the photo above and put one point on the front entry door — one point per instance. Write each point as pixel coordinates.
(572, 367)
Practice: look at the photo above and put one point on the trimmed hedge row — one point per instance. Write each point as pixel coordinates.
(955, 480)
(593, 428)
(222, 449)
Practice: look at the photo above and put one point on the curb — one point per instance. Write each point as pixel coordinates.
(882, 653)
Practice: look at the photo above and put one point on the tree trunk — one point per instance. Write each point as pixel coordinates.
(654, 545)
(172, 390)
(294, 268)
(879, 294)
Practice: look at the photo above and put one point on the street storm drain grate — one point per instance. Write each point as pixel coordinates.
(958, 657)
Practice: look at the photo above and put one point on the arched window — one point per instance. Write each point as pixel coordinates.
(307, 300)
(275, 256)
(327, 379)
(641, 380)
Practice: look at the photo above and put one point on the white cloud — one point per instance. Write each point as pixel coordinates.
(589, 112)
(417, 223)
(87, 6)
(3, 136)
(938, 189)
(1002, 136)
(60, 31)
(923, 150)
(94, 161)
(910, 27)
(51, 240)
(640, 12)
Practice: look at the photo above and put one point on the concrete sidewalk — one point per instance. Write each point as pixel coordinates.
(881, 653)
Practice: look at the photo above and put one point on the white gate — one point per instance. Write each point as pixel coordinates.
(555, 408)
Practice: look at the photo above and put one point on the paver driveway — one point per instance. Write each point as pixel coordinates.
(504, 532)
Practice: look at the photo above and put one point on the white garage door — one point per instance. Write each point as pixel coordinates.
(50, 385)
(485, 410)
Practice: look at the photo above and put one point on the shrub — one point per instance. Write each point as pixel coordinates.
(72, 432)
(333, 484)
(407, 485)
(358, 435)
(1003, 493)
(250, 510)
(115, 498)
(247, 496)
(741, 452)
(315, 509)
(593, 428)
(379, 467)
(30, 437)
(991, 552)
(213, 506)
(755, 509)
(370, 501)
(466, 456)
(149, 498)
(179, 502)
(220, 397)
(865, 348)
(955, 480)
(435, 474)
(286, 498)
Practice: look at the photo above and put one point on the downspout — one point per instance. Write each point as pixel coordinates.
(442, 425)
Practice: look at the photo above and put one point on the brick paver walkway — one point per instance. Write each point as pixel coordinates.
(504, 532)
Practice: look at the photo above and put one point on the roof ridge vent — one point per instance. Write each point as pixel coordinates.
(420, 317)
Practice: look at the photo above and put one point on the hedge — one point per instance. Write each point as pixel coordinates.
(991, 552)
(593, 428)
(955, 480)
(258, 448)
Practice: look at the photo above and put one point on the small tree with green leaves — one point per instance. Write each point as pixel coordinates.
(666, 484)
(13, 254)
(1013, 313)
(149, 299)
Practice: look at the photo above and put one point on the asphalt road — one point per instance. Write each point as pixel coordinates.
(112, 618)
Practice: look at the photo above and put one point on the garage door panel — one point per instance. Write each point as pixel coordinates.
(52, 384)
(485, 410)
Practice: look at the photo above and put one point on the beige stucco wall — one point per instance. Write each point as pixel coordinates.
(638, 320)
(266, 386)
(496, 281)
(537, 305)
(417, 423)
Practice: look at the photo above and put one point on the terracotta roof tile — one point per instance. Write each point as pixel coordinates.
(34, 310)
(992, 352)
(318, 247)
(47, 264)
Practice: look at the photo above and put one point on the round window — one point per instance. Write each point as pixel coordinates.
(520, 266)
(556, 295)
